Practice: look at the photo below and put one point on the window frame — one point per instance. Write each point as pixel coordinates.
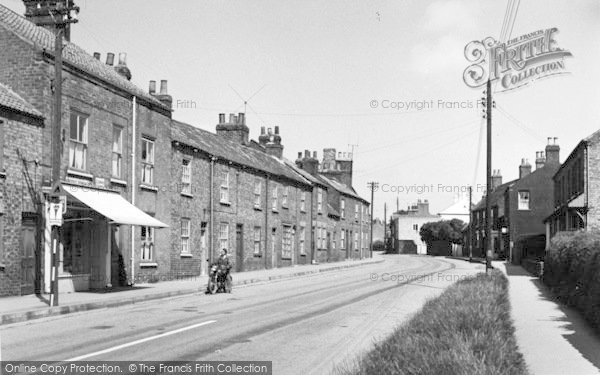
(224, 236)
(147, 243)
(78, 140)
(186, 176)
(117, 153)
(257, 242)
(148, 147)
(224, 187)
(521, 201)
(186, 235)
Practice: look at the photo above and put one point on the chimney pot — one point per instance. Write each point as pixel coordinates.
(314, 154)
(110, 58)
(242, 118)
(270, 131)
(277, 129)
(97, 55)
(555, 139)
(299, 154)
(262, 130)
(152, 88)
(122, 58)
(163, 87)
(549, 139)
(231, 118)
(221, 118)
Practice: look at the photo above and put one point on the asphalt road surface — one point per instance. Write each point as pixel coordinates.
(305, 325)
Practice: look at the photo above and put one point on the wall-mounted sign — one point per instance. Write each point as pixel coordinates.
(517, 62)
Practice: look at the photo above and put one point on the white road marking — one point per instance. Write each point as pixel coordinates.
(141, 341)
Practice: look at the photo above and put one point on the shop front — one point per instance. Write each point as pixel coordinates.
(92, 254)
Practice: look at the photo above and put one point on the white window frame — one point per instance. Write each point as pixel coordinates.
(319, 200)
(186, 176)
(186, 228)
(523, 203)
(147, 155)
(257, 193)
(343, 208)
(224, 189)
(287, 242)
(224, 236)
(356, 211)
(342, 240)
(355, 240)
(284, 198)
(257, 240)
(78, 143)
(147, 243)
(303, 201)
(117, 152)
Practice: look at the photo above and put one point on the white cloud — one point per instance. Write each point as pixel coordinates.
(450, 15)
(444, 55)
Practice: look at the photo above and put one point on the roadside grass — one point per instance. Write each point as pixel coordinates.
(466, 330)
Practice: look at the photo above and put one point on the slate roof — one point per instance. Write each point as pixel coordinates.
(341, 187)
(497, 194)
(12, 100)
(43, 39)
(231, 151)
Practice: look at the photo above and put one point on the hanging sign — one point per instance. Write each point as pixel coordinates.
(515, 63)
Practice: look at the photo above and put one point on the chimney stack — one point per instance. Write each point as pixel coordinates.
(34, 13)
(97, 55)
(540, 159)
(308, 163)
(274, 146)
(152, 88)
(524, 168)
(122, 68)
(235, 130)
(163, 96)
(496, 179)
(110, 58)
(552, 151)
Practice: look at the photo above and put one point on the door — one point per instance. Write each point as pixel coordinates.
(239, 247)
(328, 246)
(203, 250)
(28, 244)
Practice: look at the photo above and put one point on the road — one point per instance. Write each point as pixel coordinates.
(306, 325)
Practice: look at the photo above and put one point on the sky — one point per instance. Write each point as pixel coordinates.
(327, 72)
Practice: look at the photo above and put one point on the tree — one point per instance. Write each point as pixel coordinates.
(443, 230)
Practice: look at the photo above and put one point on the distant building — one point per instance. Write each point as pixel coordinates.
(458, 210)
(577, 190)
(378, 230)
(405, 227)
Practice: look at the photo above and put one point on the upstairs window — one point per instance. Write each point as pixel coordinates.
(117, 151)
(186, 176)
(257, 193)
(319, 200)
(224, 194)
(274, 202)
(147, 161)
(343, 207)
(284, 199)
(78, 142)
(523, 200)
(303, 201)
(356, 211)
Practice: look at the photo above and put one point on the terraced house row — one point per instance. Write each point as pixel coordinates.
(149, 197)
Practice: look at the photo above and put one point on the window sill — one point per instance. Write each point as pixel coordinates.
(3, 175)
(2, 266)
(302, 211)
(149, 188)
(186, 255)
(274, 210)
(257, 208)
(148, 265)
(303, 255)
(116, 181)
(224, 203)
(286, 258)
(257, 255)
(187, 195)
(81, 174)
(286, 207)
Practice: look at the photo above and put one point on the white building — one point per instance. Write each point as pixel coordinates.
(458, 210)
(406, 226)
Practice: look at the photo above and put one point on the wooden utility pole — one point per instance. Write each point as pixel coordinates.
(488, 200)
(470, 224)
(372, 186)
(57, 14)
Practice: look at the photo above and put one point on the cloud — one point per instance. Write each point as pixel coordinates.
(444, 55)
(450, 15)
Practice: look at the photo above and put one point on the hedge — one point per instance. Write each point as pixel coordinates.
(572, 271)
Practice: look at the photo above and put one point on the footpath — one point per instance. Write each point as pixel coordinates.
(15, 309)
(553, 338)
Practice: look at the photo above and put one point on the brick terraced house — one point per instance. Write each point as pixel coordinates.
(148, 197)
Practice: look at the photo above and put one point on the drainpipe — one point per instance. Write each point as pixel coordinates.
(312, 232)
(267, 232)
(212, 174)
(134, 120)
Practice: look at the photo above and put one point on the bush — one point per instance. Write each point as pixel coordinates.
(466, 330)
(572, 271)
(378, 246)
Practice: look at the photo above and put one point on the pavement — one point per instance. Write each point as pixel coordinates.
(553, 338)
(15, 309)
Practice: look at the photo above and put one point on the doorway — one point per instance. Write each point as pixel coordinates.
(28, 253)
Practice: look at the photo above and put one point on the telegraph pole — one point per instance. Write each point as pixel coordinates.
(372, 186)
(470, 224)
(57, 14)
(488, 203)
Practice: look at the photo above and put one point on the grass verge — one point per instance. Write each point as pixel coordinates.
(466, 330)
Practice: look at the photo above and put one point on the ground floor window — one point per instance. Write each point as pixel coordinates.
(302, 240)
(224, 236)
(286, 247)
(257, 240)
(147, 237)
